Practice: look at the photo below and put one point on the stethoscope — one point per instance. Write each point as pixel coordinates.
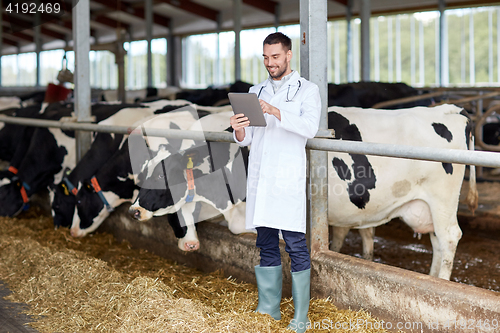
(287, 93)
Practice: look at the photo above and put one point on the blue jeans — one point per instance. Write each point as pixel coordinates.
(296, 247)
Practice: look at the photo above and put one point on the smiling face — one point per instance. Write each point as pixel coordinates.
(277, 60)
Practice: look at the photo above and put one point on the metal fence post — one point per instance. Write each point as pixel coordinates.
(81, 44)
(313, 66)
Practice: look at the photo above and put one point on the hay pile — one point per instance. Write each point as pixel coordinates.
(98, 284)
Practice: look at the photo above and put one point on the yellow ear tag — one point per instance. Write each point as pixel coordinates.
(66, 192)
(190, 163)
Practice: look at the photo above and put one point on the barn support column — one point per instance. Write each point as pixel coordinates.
(412, 50)
(336, 51)
(376, 46)
(130, 67)
(172, 78)
(472, 66)
(490, 45)
(463, 62)
(313, 66)
(148, 13)
(498, 45)
(443, 46)
(218, 68)
(237, 31)
(348, 17)
(365, 39)
(390, 61)
(120, 61)
(277, 15)
(437, 46)
(398, 49)
(81, 45)
(38, 45)
(421, 63)
(1, 42)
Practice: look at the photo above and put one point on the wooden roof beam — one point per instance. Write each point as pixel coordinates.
(52, 33)
(112, 23)
(193, 8)
(342, 2)
(24, 24)
(9, 42)
(265, 5)
(134, 11)
(15, 36)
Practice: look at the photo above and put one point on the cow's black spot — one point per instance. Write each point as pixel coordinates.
(469, 129)
(448, 168)
(175, 144)
(343, 129)
(179, 230)
(178, 223)
(364, 180)
(168, 108)
(364, 176)
(443, 131)
(341, 168)
(213, 187)
(219, 153)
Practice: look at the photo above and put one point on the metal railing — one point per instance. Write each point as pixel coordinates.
(479, 158)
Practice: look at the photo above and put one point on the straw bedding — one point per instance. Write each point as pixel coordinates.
(97, 284)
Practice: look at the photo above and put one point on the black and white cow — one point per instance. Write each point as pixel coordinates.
(212, 96)
(47, 153)
(104, 146)
(367, 191)
(11, 135)
(367, 94)
(203, 180)
(115, 180)
(63, 195)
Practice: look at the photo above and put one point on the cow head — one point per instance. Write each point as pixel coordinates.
(164, 190)
(14, 197)
(112, 185)
(5, 177)
(163, 182)
(63, 204)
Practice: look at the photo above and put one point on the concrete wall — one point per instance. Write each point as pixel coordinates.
(419, 302)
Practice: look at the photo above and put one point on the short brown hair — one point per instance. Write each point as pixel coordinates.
(279, 38)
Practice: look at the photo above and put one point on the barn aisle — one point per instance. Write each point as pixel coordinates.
(99, 284)
(12, 318)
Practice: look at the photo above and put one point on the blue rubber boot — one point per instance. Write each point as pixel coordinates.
(301, 293)
(269, 282)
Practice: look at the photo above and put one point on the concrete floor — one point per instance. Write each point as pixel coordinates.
(12, 320)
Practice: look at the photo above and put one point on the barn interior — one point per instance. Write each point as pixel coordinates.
(198, 50)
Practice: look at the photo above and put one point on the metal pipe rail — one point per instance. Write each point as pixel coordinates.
(479, 158)
(443, 93)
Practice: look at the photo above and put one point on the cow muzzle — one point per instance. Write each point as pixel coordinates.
(140, 213)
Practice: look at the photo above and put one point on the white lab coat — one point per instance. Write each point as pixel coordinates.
(276, 185)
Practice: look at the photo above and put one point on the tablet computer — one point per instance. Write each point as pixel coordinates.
(248, 104)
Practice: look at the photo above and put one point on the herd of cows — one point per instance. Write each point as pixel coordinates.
(191, 181)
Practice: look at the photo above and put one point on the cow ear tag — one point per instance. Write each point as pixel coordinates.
(66, 192)
(190, 180)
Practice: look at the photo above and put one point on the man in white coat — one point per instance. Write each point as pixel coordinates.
(276, 185)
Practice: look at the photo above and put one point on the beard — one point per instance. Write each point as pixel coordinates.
(278, 74)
